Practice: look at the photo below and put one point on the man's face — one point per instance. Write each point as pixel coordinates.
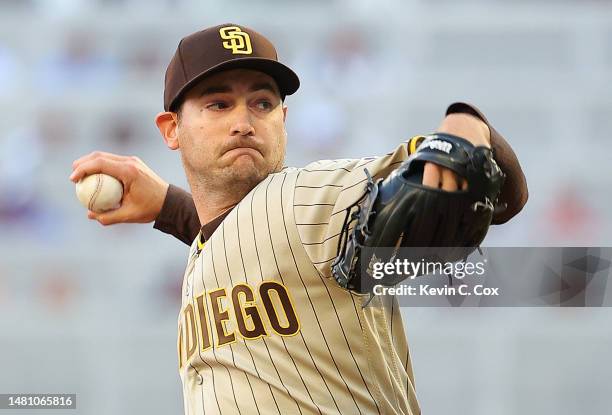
(232, 130)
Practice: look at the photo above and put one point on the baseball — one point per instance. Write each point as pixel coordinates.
(99, 192)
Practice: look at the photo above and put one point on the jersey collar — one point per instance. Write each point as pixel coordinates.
(209, 228)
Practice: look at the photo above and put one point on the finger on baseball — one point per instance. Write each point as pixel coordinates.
(115, 168)
(97, 154)
(449, 180)
(431, 175)
(111, 217)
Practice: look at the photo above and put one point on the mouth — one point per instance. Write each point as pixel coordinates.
(238, 151)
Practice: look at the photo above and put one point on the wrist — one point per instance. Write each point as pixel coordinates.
(159, 201)
(466, 126)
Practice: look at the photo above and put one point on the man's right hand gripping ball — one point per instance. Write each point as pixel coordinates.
(143, 190)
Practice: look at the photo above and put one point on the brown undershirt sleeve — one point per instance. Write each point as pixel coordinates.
(178, 216)
(514, 192)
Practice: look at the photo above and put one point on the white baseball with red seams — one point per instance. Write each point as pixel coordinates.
(99, 192)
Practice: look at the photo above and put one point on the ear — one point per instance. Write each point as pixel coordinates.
(284, 113)
(167, 123)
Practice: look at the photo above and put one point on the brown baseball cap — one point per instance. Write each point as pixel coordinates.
(219, 48)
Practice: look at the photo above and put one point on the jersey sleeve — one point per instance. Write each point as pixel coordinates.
(324, 191)
(178, 216)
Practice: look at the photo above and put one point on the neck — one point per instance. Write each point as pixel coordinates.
(210, 205)
(211, 200)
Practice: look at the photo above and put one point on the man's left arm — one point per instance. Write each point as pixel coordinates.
(419, 205)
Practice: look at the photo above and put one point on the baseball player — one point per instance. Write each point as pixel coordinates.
(264, 326)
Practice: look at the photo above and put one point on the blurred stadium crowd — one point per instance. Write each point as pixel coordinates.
(92, 310)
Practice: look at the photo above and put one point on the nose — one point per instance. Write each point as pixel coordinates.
(241, 124)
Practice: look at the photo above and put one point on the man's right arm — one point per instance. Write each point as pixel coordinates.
(178, 216)
(146, 196)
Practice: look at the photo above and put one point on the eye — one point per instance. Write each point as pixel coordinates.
(264, 105)
(216, 106)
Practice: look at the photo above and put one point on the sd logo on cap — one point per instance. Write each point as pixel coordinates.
(236, 40)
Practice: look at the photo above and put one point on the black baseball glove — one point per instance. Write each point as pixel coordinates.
(400, 212)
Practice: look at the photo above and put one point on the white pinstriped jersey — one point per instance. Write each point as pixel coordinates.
(265, 329)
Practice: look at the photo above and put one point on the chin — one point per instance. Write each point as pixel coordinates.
(245, 163)
(246, 169)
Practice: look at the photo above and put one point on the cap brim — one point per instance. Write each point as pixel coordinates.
(287, 80)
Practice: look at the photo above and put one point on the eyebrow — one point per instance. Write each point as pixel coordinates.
(265, 86)
(223, 89)
(220, 89)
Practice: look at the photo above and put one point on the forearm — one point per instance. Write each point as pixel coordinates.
(466, 126)
(178, 216)
(514, 193)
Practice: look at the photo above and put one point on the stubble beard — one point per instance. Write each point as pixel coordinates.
(236, 181)
(230, 183)
(233, 182)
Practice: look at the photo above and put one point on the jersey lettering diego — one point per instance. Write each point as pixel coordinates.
(265, 329)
